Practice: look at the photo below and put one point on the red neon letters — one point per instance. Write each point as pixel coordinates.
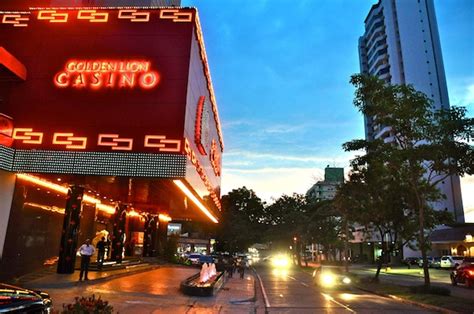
(99, 74)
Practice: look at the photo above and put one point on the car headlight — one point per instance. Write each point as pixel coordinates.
(280, 261)
(346, 280)
(328, 280)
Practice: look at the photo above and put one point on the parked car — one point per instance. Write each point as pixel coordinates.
(21, 300)
(194, 258)
(411, 261)
(464, 273)
(433, 262)
(451, 261)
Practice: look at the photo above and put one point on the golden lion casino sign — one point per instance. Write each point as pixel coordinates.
(100, 74)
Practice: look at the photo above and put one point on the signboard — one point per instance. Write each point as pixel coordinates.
(99, 79)
(115, 80)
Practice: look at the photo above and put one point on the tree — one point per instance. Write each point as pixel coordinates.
(285, 219)
(374, 198)
(242, 220)
(429, 144)
(323, 225)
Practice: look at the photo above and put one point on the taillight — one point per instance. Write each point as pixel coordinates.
(471, 272)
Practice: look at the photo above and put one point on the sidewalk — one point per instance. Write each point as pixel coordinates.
(413, 277)
(54, 280)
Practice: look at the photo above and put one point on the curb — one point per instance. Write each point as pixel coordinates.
(91, 281)
(406, 301)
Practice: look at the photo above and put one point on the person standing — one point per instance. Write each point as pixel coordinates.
(86, 251)
(242, 268)
(101, 252)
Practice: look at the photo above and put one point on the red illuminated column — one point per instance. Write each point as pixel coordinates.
(67, 251)
(118, 235)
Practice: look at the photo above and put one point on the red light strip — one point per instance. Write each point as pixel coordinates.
(207, 74)
(198, 125)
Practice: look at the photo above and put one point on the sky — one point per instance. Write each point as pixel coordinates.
(281, 71)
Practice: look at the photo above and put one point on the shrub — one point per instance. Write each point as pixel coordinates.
(85, 305)
(431, 290)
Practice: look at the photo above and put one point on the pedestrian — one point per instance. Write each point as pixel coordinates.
(86, 251)
(107, 247)
(242, 268)
(101, 252)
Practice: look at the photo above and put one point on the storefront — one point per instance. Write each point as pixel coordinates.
(108, 127)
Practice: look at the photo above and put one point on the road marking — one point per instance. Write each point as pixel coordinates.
(292, 278)
(304, 284)
(330, 298)
(265, 297)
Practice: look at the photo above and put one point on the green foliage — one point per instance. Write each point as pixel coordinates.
(242, 220)
(394, 185)
(171, 248)
(85, 305)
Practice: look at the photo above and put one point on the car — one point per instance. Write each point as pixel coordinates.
(464, 273)
(21, 300)
(433, 262)
(194, 258)
(331, 278)
(411, 261)
(451, 261)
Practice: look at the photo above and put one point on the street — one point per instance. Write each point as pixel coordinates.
(292, 291)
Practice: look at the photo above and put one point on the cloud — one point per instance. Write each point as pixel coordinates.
(271, 183)
(341, 159)
(462, 93)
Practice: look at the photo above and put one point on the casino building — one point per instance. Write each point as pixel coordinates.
(108, 127)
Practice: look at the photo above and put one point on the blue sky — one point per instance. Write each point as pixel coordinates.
(281, 69)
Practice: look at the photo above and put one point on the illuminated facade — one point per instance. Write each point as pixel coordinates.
(401, 45)
(108, 126)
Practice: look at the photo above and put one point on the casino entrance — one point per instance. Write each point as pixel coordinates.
(62, 211)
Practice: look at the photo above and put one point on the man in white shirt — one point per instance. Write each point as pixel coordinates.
(86, 251)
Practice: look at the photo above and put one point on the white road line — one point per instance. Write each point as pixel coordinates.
(291, 277)
(304, 284)
(330, 298)
(265, 297)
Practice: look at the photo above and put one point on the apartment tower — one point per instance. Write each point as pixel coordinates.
(401, 46)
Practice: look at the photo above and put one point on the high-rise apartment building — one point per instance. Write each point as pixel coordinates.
(401, 46)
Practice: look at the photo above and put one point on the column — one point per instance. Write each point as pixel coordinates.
(149, 237)
(72, 218)
(162, 236)
(118, 235)
(7, 188)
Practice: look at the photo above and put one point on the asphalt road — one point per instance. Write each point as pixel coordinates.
(293, 291)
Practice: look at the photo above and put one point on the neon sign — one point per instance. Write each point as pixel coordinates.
(159, 142)
(201, 172)
(100, 74)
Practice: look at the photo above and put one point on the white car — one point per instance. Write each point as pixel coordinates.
(450, 261)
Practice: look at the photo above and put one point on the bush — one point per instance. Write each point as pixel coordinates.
(431, 290)
(84, 305)
(171, 248)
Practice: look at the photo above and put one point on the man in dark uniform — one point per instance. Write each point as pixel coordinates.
(101, 252)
